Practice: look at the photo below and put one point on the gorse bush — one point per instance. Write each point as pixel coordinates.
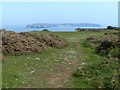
(102, 73)
(46, 30)
(107, 45)
(115, 53)
(28, 42)
(109, 49)
(86, 44)
(112, 33)
(110, 27)
(104, 48)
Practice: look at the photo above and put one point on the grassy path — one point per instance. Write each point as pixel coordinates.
(37, 70)
(58, 79)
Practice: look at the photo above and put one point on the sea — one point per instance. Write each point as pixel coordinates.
(23, 28)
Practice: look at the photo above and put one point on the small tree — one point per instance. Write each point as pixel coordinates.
(110, 27)
(45, 30)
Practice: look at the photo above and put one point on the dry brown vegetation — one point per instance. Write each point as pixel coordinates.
(99, 39)
(47, 39)
(26, 42)
(86, 29)
(108, 44)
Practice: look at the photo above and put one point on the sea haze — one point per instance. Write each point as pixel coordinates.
(61, 28)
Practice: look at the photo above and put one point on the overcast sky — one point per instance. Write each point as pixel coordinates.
(103, 13)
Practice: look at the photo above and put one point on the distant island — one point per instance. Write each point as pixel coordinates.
(47, 25)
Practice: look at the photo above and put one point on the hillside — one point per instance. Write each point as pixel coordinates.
(77, 65)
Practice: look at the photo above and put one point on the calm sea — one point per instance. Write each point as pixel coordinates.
(22, 28)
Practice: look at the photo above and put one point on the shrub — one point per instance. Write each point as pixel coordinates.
(17, 44)
(110, 27)
(104, 47)
(101, 73)
(46, 30)
(104, 44)
(87, 44)
(115, 53)
(112, 33)
(27, 42)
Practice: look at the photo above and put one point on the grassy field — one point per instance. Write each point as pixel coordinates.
(53, 68)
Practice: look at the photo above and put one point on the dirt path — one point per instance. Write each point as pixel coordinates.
(57, 80)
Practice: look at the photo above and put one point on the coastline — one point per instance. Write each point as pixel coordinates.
(23, 28)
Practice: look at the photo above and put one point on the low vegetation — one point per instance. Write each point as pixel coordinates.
(106, 44)
(85, 29)
(46, 30)
(27, 42)
(113, 28)
(91, 60)
(103, 71)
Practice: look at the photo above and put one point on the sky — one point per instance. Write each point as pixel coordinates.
(59, 0)
(24, 13)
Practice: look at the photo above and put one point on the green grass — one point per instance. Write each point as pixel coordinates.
(97, 71)
(37, 69)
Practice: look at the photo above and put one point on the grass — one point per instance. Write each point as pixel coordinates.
(96, 71)
(52, 68)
